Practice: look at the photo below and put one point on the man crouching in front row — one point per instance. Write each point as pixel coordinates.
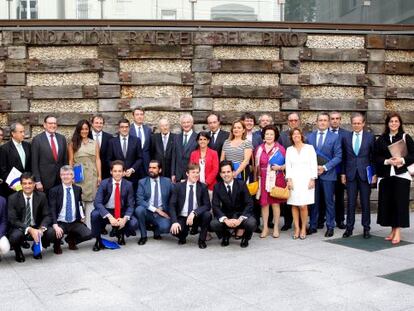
(232, 207)
(114, 204)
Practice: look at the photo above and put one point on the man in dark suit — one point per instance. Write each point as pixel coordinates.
(114, 204)
(335, 127)
(218, 136)
(232, 207)
(190, 207)
(4, 242)
(143, 132)
(128, 149)
(293, 121)
(15, 153)
(29, 218)
(103, 138)
(358, 153)
(65, 203)
(49, 154)
(184, 144)
(328, 149)
(162, 147)
(152, 202)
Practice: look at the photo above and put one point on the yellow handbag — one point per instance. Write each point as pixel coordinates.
(253, 187)
(280, 193)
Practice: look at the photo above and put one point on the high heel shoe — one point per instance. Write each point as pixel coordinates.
(395, 241)
(264, 233)
(389, 238)
(276, 234)
(295, 237)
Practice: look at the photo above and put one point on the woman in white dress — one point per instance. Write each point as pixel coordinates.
(301, 172)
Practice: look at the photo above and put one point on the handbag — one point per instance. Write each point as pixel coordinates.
(280, 193)
(253, 187)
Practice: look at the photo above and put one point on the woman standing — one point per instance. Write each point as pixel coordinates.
(238, 150)
(301, 172)
(208, 161)
(270, 175)
(393, 178)
(83, 150)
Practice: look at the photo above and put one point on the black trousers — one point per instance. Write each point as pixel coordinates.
(202, 221)
(249, 225)
(76, 231)
(17, 237)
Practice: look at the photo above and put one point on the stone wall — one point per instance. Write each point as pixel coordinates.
(74, 74)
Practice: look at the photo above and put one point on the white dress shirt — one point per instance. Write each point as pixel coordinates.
(151, 206)
(97, 136)
(184, 212)
(62, 214)
(54, 139)
(189, 133)
(221, 219)
(140, 129)
(20, 151)
(31, 209)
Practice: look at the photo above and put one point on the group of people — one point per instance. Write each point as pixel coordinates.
(200, 183)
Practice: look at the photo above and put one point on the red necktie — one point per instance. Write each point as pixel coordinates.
(117, 213)
(54, 151)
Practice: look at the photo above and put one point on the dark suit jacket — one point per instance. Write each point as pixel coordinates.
(133, 158)
(103, 153)
(240, 203)
(17, 210)
(331, 149)
(104, 194)
(382, 153)
(144, 192)
(3, 217)
(220, 139)
(146, 149)
(44, 167)
(181, 155)
(9, 158)
(178, 199)
(353, 164)
(157, 152)
(257, 139)
(56, 201)
(341, 134)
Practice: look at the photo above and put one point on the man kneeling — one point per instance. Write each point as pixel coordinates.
(190, 207)
(232, 207)
(65, 203)
(114, 204)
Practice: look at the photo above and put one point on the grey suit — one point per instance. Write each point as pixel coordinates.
(44, 167)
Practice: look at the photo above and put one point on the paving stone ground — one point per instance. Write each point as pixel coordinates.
(272, 274)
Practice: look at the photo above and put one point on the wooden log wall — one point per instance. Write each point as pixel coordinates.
(75, 74)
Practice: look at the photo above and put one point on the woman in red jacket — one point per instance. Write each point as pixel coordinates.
(207, 159)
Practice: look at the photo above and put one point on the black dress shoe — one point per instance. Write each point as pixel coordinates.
(225, 241)
(202, 244)
(311, 231)
(121, 239)
(26, 245)
(37, 257)
(19, 255)
(367, 235)
(341, 225)
(285, 227)
(142, 241)
(182, 241)
(258, 230)
(57, 249)
(157, 237)
(244, 243)
(329, 233)
(347, 233)
(98, 245)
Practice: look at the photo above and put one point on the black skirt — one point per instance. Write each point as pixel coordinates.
(394, 202)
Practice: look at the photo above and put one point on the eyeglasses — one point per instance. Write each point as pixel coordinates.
(293, 120)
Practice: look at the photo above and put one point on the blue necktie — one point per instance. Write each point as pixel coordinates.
(139, 133)
(191, 199)
(68, 216)
(156, 195)
(320, 140)
(357, 144)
